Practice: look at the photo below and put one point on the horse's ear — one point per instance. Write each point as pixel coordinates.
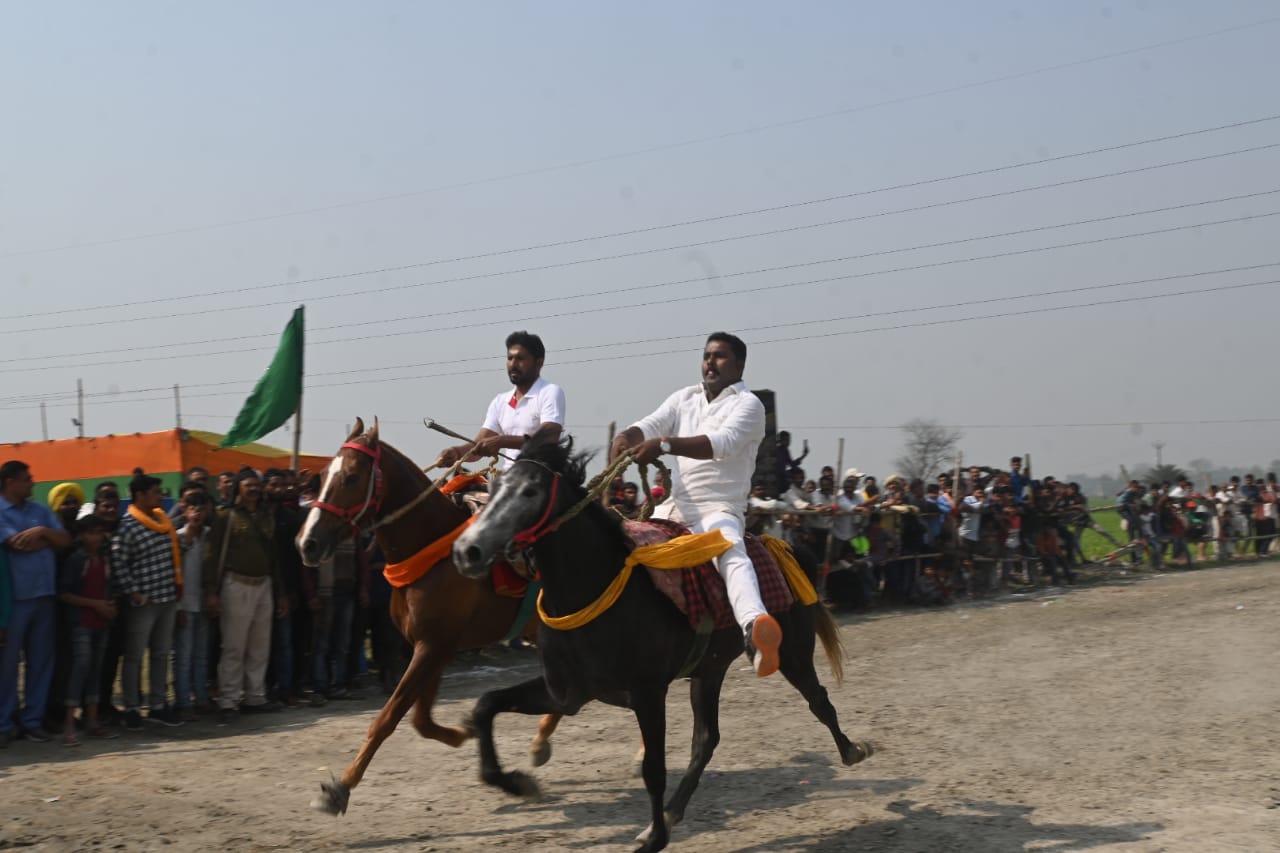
(373, 433)
(359, 428)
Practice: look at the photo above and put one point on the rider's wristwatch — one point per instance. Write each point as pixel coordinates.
(664, 445)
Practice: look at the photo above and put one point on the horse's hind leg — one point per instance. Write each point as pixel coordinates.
(529, 697)
(704, 696)
(797, 668)
(337, 792)
(540, 748)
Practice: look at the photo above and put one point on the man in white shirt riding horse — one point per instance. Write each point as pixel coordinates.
(513, 415)
(714, 430)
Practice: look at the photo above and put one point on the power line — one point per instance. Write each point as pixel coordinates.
(1126, 424)
(879, 253)
(857, 427)
(1004, 78)
(913, 209)
(863, 316)
(805, 283)
(786, 340)
(18, 401)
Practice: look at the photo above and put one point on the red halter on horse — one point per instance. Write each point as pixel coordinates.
(372, 500)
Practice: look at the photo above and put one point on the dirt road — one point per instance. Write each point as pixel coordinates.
(1139, 715)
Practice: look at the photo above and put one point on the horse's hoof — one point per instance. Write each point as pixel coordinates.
(645, 838)
(857, 751)
(540, 753)
(523, 785)
(333, 798)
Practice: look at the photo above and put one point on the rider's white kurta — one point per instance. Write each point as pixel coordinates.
(711, 494)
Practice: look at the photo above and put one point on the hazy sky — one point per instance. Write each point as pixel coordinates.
(175, 178)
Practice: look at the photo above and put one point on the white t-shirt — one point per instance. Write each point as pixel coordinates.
(508, 416)
(846, 526)
(769, 521)
(734, 422)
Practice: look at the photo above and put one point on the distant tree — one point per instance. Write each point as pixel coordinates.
(1165, 473)
(927, 447)
(1200, 466)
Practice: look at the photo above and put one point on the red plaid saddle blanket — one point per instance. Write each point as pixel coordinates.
(701, 590)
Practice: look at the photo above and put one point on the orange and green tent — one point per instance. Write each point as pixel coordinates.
(167, 455)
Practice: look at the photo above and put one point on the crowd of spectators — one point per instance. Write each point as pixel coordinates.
(901, 540)
(210, 593)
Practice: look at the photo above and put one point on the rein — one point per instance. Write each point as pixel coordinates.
(595, 489)
(376, 493)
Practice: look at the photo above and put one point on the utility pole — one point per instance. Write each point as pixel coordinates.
(177, 406)
(1159, 446)
(79, 421)
(44, 421)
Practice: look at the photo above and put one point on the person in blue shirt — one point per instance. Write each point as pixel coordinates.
(30, 534)
(1018, 479)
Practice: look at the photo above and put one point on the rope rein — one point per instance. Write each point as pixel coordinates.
(435, 485)
(597, 485)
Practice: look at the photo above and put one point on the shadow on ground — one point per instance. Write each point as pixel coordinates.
(977, 827)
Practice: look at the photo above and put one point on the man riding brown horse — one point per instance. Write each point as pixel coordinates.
(535, 404)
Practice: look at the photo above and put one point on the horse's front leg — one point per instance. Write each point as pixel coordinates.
(453, 736)
(529, 697)
(650, 706)
(336, 793)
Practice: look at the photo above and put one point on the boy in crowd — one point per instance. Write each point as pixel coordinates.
(191, 637)
(83, 589)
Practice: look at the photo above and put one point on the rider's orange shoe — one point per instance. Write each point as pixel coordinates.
(764, 636)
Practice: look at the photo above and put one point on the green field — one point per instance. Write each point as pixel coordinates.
(1094, 545)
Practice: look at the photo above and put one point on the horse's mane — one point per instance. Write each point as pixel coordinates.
(559, 457)
(415, 473)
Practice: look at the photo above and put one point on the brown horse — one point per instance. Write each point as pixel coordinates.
(440, 613)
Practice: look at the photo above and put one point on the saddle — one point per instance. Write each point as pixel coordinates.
(700, 591)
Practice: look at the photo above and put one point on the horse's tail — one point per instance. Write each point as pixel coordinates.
(824, 625)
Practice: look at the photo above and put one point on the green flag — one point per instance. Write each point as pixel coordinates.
(277, 394)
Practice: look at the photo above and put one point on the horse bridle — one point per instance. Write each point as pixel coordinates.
(373, 497)
(546, 524)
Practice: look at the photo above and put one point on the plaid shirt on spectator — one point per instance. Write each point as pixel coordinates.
(142, 561)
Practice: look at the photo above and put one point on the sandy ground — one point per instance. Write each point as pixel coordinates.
(1136, 715)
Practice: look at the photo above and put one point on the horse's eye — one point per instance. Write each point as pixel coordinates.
(529, 492)
(350, 479)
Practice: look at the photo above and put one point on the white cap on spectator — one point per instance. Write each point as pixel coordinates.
(853, 474)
